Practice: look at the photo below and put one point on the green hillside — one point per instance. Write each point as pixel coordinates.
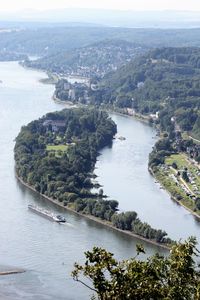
(165, 80)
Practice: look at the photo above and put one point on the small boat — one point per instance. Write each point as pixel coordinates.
(47, 214)
(121, 138)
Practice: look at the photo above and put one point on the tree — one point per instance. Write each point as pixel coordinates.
(185, 176)
(175, 277)
(174, 165)
(197, 203)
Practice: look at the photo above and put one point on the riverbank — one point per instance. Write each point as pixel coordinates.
(137, 116)
(7, 270)
(67, 103)
(11, 272)
(51, 79)
(94, 219)
(173, 198)
(144, 119)
(184, 203)
(141, 119)
(21, 232)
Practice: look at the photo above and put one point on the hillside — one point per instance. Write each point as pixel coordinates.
(48, 40)
(91, 61)
(165, 80)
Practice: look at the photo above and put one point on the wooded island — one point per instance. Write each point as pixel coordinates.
(56, 156)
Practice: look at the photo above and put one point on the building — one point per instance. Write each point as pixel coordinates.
(54, 125)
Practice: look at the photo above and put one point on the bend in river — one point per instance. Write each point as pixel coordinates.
(48, 250)
(123, 172)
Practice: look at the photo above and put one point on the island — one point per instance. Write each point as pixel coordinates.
(56, 156)
(160, 87)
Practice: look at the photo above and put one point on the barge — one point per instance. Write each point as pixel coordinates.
(47, 214)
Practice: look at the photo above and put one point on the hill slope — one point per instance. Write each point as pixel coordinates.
(164, 80)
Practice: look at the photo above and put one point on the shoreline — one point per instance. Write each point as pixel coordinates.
(140, 118)
(70, 104)
(174, 198)
(145, 120)
(11, 272)
(94, 219)
(67, 103)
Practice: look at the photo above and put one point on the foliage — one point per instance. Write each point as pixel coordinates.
(165, 80)
(197, 203)
(175, 277)
(185, 176)
(68, 168)
(196, 131)
(91, 61)
(58, 162)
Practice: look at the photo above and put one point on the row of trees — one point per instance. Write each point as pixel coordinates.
(107, 210)
(130, 221)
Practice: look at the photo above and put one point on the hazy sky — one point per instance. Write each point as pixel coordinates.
(12, 5)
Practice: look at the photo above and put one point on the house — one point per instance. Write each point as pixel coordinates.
(72, 94)
(54, 125)
(193, 151)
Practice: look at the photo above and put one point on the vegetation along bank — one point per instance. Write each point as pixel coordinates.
(163, 87)
(56, 156)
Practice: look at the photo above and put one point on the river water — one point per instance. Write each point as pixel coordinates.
(48, 250)
(123, 172)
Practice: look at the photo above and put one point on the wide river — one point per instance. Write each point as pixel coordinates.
(48, 250)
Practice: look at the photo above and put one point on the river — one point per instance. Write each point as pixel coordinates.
(48, 250)
(123, 172)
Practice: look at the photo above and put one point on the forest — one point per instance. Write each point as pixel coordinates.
(56, 155)
(164, 81)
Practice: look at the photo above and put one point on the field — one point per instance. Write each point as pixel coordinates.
(183, 161)
(62, 148)
(58, 149)
(171, 178)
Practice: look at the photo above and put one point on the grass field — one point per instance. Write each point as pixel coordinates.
(62, 148)
(179, 159)
(182, 161)
(163, 177)
(58, 149)
(169, 179)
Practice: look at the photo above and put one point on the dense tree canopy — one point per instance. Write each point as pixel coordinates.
(175, 277)
(165, 80)
(56, 155)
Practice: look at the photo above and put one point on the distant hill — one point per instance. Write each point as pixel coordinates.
(113, 18)
(49, 40)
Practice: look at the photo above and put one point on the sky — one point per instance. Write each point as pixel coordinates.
(16, 5)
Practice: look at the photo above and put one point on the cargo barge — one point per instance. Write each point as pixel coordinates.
(47, 214)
